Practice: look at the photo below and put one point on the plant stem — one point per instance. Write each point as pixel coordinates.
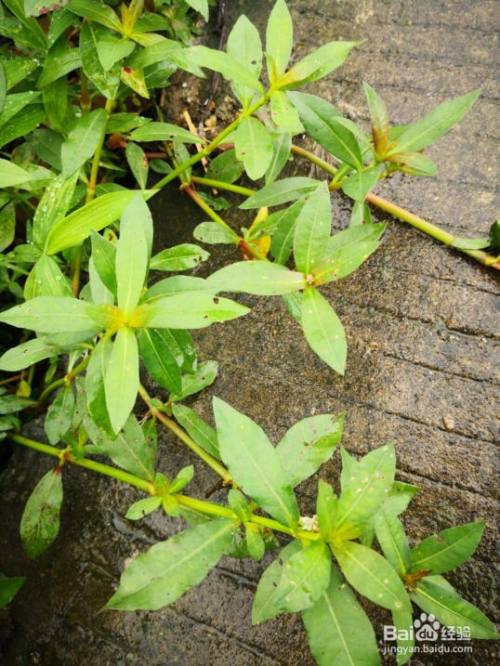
(212, 145)
(406, 216)
(221, 185)
(184, 437)
(64, 380)
(91, 187)
(199, 201)
(200, 506)
(93, 465)
(430, 229)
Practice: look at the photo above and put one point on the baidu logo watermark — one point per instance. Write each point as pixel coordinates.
(427, 636)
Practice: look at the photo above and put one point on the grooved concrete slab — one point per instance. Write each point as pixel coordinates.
(422, 323)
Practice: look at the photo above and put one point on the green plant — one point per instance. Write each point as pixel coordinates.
(77, 103)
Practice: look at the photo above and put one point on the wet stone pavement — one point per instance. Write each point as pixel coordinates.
(422, 323)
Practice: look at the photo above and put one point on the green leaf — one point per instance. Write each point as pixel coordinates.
(323, 330)
(104, 258)
(7, 226)
(379, 119)
(202, 433)
(131, 255)
(200, 6)
(111, 50)
(317, 64)
(122, 122)
(448, 549)
(194, 382)
(27, 353)
(121, 381)
(106, 82)
(192, 309)
(225, 167)
(223, 63)
(9, 587)
(179, 258)
(280, 192)
(305, 576)
(11, 403)
(82, 141)
(46, 279)
(326, 509)
(284, 114)
(265, 601)
(143, 507)
(40, 520)
(436, 123)
(254, 147)
(36, 36)
(256, 277)
(338, 629)
(53, 314)
(254, 541)
(365, 484)
(138, 163)
(156, 131)
(244, 45)
(3, 89)
(451, 610)
(312, 230)
(96, 11)
(403, 621)
(24, 123)
(59, 61)
(59, 416)
(372, 576)
(94, 384)
(12, 175)
(161, 575)
(15, 103)
(471, 243)
(156, 351)
(254, 463)
(392, 539)
(212, 233)
(308, 444)
(347, 250)
(130, 449)
(17, 68)
(326, 126)
(182, 478)
(282, 147)
(279, 40)
(282, 239)
(78, 225)
(53, 206)
(361, 183)
(415, 164)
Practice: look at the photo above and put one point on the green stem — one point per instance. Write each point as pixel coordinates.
(91, 188)
(93, 465)
(405, 216)
(194, 159)
(184, 437)
(430, 229)
(199, 201)
(221, 185)
(200, 506)
(64, 380)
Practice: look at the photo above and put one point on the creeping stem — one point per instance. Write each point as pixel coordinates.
(405, 216)
(192, 503)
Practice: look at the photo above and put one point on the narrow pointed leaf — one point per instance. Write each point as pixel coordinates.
(156, 131)
(282, 239)
(196, 309)
(179, 258)
(308, 444)
(244, 45)
(338, 629)
(59, 416)
(372, 576)
(323, 330)
(9, 587)
(52, 314)
(312, 230)
(452, 611)
(143, 508)
(280, 192)
(202, 433)
(254, 147)
(392, 539)
(156, 352)
(131, 256)
(40, 520)
(121, 382)
(448, 549)
(254, 463)
(317, 64)
(361, 183)
(27, 353)
(326, 509)
(279, 40)
(162, 574)
(256, 277)
(82, 141)
(265, 603)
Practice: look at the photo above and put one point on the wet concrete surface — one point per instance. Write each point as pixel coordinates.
(422, 324)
